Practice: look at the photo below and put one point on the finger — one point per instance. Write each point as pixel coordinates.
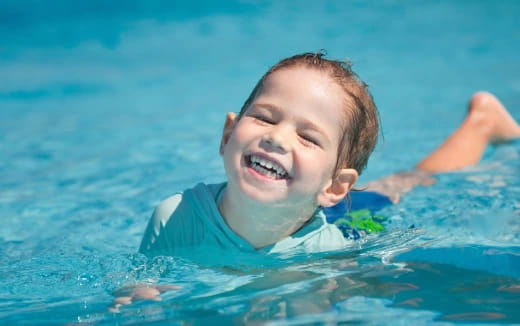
(123, 300)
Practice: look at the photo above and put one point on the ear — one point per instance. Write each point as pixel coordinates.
(338, 188)
(229, 125)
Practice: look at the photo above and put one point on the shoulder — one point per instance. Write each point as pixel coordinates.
(154, 235)
(202, 191)
(165, 209)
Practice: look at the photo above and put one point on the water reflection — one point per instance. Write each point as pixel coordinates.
(357, 294)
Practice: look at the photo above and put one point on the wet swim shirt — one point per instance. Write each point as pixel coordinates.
(190, 221)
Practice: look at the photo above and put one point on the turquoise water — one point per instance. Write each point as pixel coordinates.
(105, 109)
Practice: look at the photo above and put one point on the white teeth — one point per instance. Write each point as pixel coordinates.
(264, 166)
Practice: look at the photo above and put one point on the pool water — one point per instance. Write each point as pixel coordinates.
(107, 108)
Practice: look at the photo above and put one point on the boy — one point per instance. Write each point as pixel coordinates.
(297, 146)
(295, 149)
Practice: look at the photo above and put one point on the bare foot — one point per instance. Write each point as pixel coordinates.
(487, 121)
(493, 119)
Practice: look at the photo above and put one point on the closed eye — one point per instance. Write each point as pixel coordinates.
(264, 119)
(309, 140)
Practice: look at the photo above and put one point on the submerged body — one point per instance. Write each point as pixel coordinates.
(487, 121)
(297, 147)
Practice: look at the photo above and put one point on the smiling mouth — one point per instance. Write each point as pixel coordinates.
(266, 167)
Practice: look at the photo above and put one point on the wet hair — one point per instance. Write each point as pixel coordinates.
(361, 125)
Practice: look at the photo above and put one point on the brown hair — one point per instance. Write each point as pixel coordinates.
(361, 127)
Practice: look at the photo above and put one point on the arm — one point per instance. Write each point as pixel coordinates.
(396, 185)
(151, 242)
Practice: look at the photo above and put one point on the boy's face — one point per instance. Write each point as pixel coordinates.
(283, 150)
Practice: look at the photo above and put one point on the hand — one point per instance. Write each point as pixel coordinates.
(131, 293)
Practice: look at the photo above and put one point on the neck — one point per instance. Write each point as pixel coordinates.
(259, 224)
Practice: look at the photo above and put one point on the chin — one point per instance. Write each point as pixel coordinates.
(261, 196)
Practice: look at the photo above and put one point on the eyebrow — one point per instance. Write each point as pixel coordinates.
(307, 124)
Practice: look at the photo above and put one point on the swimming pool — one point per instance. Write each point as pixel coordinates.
(105, 109)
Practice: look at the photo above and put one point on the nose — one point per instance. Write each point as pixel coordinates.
(278, 138)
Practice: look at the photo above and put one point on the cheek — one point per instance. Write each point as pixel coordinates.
(328, 164)
(320, 165)
(240, 135)
(235, 146)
